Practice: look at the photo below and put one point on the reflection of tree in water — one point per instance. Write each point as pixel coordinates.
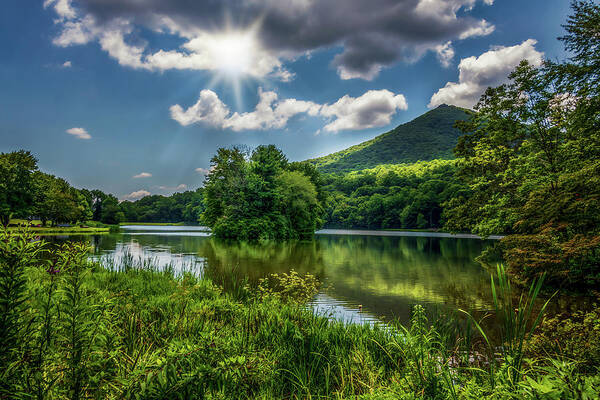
(226, 260)
(387, 275)
(390, 274)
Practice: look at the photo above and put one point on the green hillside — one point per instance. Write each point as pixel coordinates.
(427, 137)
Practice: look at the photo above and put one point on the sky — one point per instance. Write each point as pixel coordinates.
(134, 97)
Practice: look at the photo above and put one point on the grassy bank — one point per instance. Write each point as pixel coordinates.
(70, 329)
(90, 227)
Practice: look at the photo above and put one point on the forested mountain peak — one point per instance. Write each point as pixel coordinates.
(427, 137)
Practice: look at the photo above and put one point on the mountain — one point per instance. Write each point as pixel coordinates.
(427, 137)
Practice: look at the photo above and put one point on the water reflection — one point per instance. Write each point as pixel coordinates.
(386, 275)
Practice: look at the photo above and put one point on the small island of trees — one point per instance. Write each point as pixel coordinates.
(262, 196)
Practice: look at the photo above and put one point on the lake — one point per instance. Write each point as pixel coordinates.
(384, 272)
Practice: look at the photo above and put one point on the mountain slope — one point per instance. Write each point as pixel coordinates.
(427, 137)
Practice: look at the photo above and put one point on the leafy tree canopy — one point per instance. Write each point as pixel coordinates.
(262, 196)
(532, 162)
(16, 184)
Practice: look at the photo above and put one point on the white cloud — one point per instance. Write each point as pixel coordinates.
(270, 113)
(483, 28)
(202, 171)
(76, 32)
(237, 52)
(183, 186)
(373, 109)
(136, 195)
(489, 69)
(67, 64)
(208, 109)
(63, 8)
(142, 175)
(79, 133)
(401, 30)
(445, 53)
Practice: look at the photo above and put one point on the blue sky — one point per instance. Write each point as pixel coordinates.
(105, 90)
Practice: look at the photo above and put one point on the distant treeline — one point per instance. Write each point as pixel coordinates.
(179, 207)
(27, 193)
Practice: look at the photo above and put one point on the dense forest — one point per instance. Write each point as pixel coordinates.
(393, 196)
(179, 207)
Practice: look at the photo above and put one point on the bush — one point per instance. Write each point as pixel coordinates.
(574, 337)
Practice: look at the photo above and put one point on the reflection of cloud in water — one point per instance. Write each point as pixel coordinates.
(342, 310)
(388, 275)
(135, 256)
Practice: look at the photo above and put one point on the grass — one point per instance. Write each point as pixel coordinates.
(71, 330)
(91, 227)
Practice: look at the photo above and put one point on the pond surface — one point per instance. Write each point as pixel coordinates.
(385, 273)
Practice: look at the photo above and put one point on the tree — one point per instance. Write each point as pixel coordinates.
(111, 213)
(16, 184)
(531, 159)
(57, 201)
(224, 187)
(300, 203)
(261, 196)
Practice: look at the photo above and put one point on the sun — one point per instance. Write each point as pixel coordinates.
(236, 56)
(233, 52)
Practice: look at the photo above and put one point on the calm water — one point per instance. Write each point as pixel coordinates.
(385, 272)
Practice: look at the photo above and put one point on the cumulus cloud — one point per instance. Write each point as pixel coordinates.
(142, 175)
(79, 133)
(67, 64)
(136, 195)
(489, 69)
(373, 109)
(372, 35)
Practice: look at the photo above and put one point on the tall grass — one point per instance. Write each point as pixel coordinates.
(517, 320)
(136, 333)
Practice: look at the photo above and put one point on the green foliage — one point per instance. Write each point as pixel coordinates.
(145, 334)
(289, 287)
(17, 252)
(261, 196)
(392, 196)
(16, 185)
(574, 336)
(300, 202)
(430, 136)
(530, 160)
(57, 201)
(179, 207)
